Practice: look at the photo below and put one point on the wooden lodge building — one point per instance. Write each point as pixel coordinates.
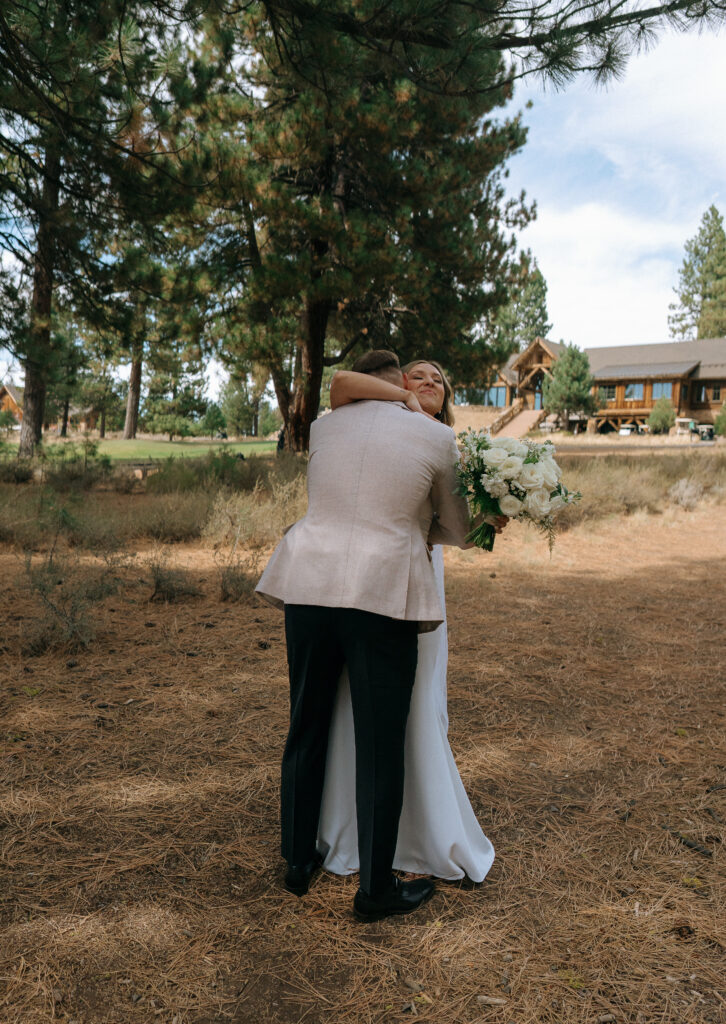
(630, 379)
(11, 400)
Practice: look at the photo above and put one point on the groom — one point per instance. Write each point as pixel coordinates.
(357, 585)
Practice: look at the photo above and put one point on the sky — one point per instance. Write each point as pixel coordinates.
(622, 176)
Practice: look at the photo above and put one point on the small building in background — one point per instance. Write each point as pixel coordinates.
(11, 400)
(79, 420)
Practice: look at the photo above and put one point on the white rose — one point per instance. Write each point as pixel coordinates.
(510, 506)
(531, 476)
(511, 467)
(513, 445)
(494, 457)
(550, 472)
(538, 503)
(557, 502)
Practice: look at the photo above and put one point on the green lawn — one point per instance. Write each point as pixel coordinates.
(139, 450)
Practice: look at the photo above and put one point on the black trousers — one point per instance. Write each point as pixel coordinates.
(381, 655)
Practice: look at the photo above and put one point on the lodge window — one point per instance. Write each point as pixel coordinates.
(633, 393)
(496, 397)
(684, 392)
(701, 395)
(662, 390)
(608, 392)
(716, 394)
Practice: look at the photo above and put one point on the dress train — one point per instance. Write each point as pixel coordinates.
(438, 832)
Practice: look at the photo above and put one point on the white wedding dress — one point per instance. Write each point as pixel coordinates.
(438, 832)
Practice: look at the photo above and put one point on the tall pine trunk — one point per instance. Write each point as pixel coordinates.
(66, 413)
(102, 425)
(133, 401)
(37, 356)
(304, 402)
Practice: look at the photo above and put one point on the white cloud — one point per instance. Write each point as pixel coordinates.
(622, 177)
(607, 281)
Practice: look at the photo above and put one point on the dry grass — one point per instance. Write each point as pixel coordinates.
(139, 812)
(613, 485)
(474, 417)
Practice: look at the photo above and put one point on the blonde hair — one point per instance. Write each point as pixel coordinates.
(447, 409)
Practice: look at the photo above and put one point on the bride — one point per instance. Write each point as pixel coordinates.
(438, 832)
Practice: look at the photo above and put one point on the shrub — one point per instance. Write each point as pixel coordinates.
(68, 466)
(719, 424)
(19, 517)
(222, 468)
(68, 591)
(173, 517)
(173, 476)
(662, 416)
(258, 518)
(686, 492)
(7, 420)
(123, 482)
(15, 471)
(238, 577)
(169, 584)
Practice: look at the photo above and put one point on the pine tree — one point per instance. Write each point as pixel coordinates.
(240, 404)
(569, 389)
(553, 40)
(175, 401)
(525, 317)
(357, 209)
(213, 422)
(80, 155)
(701, 308)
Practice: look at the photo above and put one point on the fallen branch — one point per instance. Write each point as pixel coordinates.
(690, 843)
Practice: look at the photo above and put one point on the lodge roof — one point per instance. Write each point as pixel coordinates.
(707, 355)
(507, 372)
(645, 371)
(553, 347)
(15, 392)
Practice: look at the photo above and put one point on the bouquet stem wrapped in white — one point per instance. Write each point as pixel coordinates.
(509, 477)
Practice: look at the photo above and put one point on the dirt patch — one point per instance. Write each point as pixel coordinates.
(139, 815)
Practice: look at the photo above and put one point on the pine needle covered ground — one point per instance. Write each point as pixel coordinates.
(139, 806)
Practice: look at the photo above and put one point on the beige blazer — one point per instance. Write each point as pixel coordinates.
(381, 482)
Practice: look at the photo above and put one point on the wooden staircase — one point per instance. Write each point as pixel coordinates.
(522, 422)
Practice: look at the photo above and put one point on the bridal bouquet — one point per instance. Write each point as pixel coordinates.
(509, 477)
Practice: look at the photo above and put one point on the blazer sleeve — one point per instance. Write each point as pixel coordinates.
(450, 524)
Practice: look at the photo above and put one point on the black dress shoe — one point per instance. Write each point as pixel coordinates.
(401, 898)
(299, 876)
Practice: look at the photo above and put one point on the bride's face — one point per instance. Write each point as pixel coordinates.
(426, 383)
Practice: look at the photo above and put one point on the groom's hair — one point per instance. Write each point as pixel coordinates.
(379, 362)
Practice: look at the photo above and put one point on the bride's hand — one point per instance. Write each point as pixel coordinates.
(498, 522)
(412, 402)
